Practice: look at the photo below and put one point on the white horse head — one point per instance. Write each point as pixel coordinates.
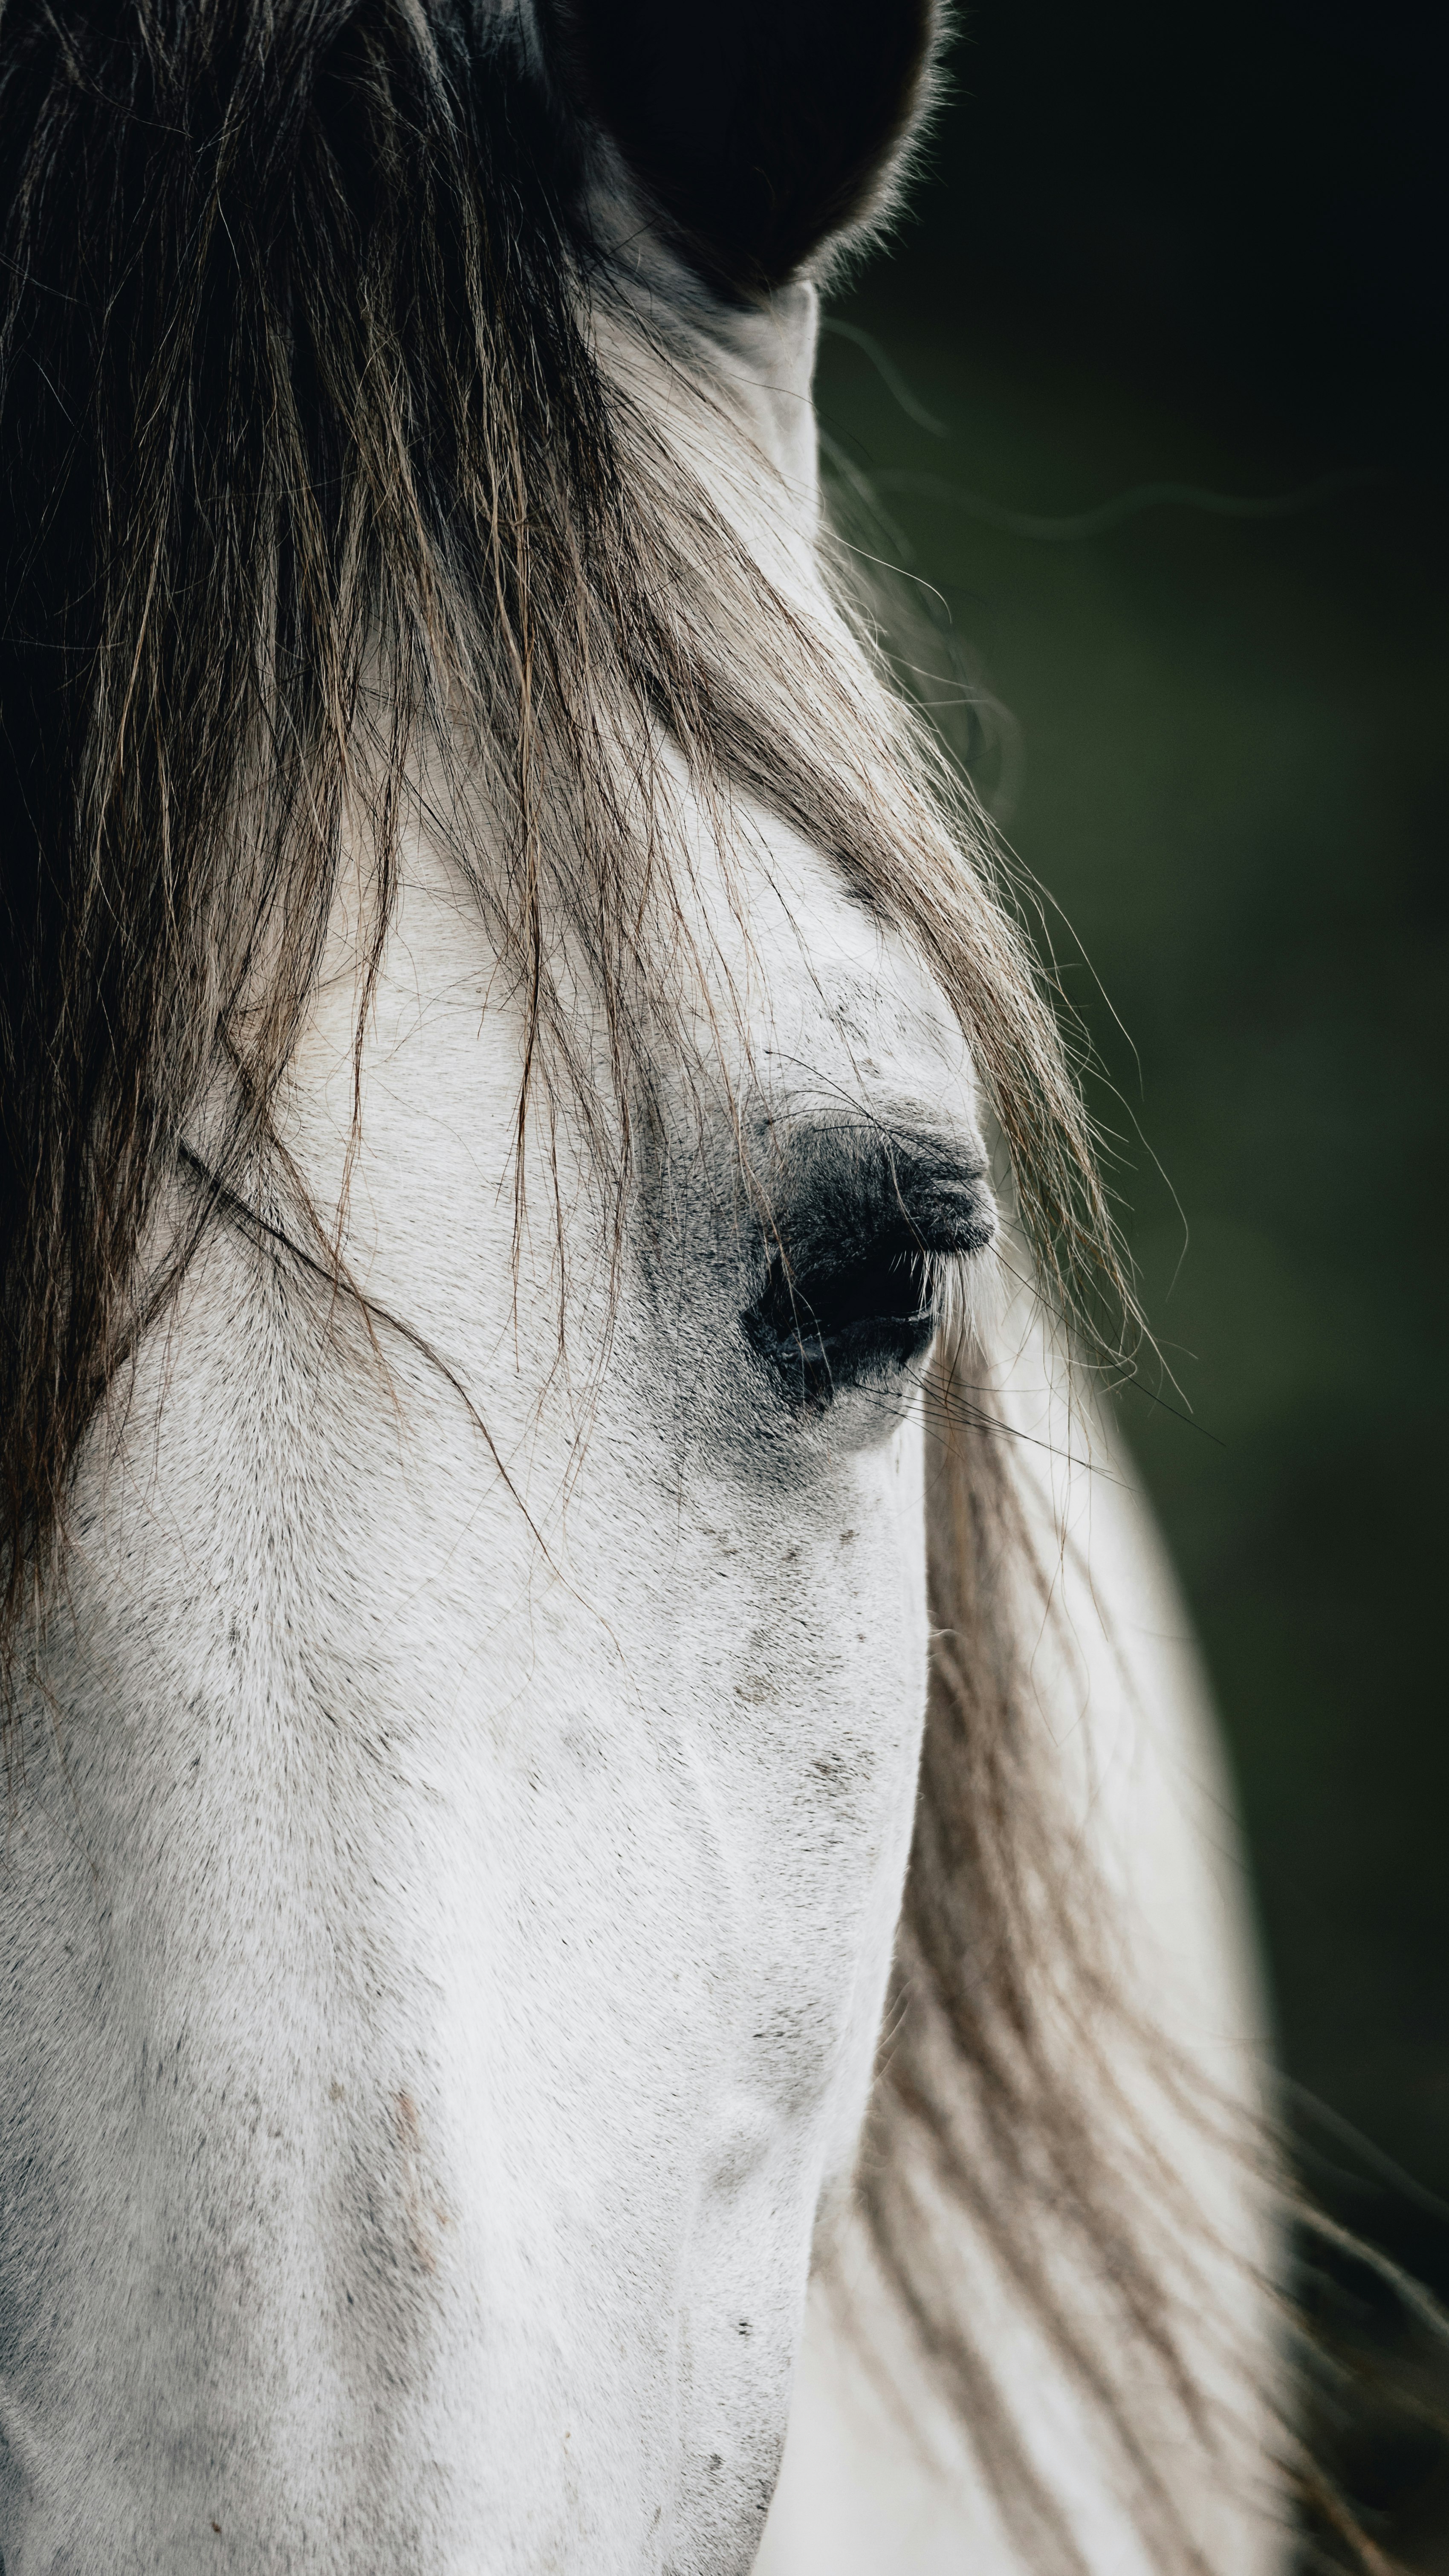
(508, 1036)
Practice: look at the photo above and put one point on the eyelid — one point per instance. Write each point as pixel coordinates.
(855, 1250)
(842, 1173)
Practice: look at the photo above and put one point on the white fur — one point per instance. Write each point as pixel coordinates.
(449, 1895)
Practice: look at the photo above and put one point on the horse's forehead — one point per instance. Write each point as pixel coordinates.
(830, 986)
(877, 1032)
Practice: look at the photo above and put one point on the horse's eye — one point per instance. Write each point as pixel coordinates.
(844, 1319)
(849, 1294)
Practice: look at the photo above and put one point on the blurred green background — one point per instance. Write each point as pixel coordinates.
(1205, 250)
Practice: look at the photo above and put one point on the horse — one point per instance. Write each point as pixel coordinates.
(615, 1849)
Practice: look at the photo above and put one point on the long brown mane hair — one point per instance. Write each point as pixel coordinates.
(312, 466)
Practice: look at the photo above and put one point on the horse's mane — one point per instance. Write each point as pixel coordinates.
(313, 472)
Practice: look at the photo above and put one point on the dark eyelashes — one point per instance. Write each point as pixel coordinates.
(821, 1331)
(858, 1305)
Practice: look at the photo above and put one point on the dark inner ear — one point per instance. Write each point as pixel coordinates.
(757, 127)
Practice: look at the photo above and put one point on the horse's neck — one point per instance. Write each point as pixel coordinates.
(881, 2468)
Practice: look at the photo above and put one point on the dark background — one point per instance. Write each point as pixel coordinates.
(1206, 249)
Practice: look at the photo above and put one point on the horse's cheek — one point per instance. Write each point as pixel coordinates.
(701, 1814)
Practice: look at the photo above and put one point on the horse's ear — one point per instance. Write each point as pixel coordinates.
(757, 129)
